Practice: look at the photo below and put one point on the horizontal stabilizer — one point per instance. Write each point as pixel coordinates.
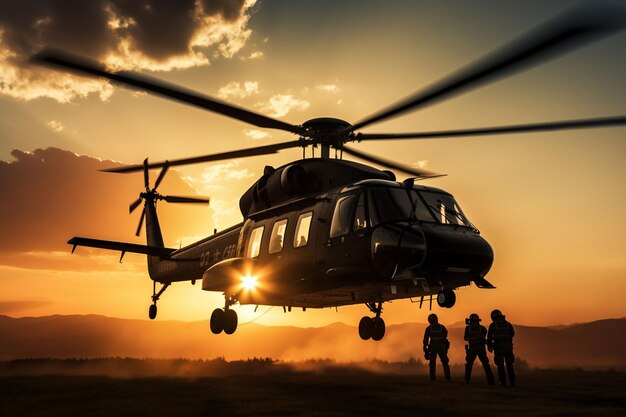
(483, 283)
(121, 246)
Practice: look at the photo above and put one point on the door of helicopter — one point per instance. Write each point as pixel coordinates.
(347, 248)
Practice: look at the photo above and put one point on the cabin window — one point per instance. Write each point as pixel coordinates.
(360, 216)
(301, 237)
(342, 217)
(277, 238)
(254, 244)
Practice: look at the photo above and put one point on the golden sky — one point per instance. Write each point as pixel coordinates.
(550, 204)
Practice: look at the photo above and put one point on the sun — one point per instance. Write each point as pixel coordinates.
(249, 282)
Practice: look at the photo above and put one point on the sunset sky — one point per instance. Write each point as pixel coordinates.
(550, 204)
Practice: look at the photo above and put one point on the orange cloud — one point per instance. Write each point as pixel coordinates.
(280, 105)
(235, 89)
(18, 306)
(50, 195)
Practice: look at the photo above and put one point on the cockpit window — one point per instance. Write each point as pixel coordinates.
(392, 204)
(342, 217)
(421, 212)
(388, 204)
(445, 208)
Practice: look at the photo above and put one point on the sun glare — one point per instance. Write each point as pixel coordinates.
(249, 282)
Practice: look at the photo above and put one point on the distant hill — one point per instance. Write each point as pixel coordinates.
(599, 344)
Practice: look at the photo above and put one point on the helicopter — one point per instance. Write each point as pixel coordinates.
(325, 231)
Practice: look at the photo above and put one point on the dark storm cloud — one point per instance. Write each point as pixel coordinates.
(228, 9)
(27, 25)
(50, 195)
(165, 28)
(124, 34)
(162, 28)
(156, 28)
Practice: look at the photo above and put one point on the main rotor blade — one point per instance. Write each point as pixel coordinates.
(175, 199)
(166, 166)
(83, 66)
(242, 153)
(414, 172)
(499, 130)
(566, 32)
(134, 205)
(143, 216)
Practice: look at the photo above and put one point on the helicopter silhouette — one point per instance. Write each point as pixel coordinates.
(327, 232)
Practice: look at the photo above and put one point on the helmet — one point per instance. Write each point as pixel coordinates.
(496, 314)
(474, 318)
(433, 319)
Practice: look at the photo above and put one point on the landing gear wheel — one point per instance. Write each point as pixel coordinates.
(365, 328)
(230, 321)
(446, 298)
(217, 321)
(378, 328)
(152, 311)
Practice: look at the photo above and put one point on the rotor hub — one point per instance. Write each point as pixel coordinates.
(328, 131)
(150, 195)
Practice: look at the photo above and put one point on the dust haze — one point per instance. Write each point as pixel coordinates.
(68, 337)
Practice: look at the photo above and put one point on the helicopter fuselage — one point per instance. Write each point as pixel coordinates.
(369, 241)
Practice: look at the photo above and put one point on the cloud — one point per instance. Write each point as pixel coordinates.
(224, 211)
(83, 259)
(234, 89)
(56, 126)
(10, 307)
(158, 35)
(420, 164)
(214, 177)
(50, 195)
(255, 134)
(220, 180)
(281, 104)
(328, 88)
(255, 55)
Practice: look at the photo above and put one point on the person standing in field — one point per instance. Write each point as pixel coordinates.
(436, 344)
(476, 338)
(500, 342)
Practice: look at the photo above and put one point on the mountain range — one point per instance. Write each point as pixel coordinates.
(595, 345)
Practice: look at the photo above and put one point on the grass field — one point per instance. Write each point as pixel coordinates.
(330, 391)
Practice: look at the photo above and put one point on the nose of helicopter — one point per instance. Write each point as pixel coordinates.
(430, 251)
(397, 246)
(456, 254)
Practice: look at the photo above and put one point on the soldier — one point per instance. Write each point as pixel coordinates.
(500, 341)
(476, 338)
(436, 343)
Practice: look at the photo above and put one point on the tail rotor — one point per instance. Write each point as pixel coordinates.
(152, 195)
